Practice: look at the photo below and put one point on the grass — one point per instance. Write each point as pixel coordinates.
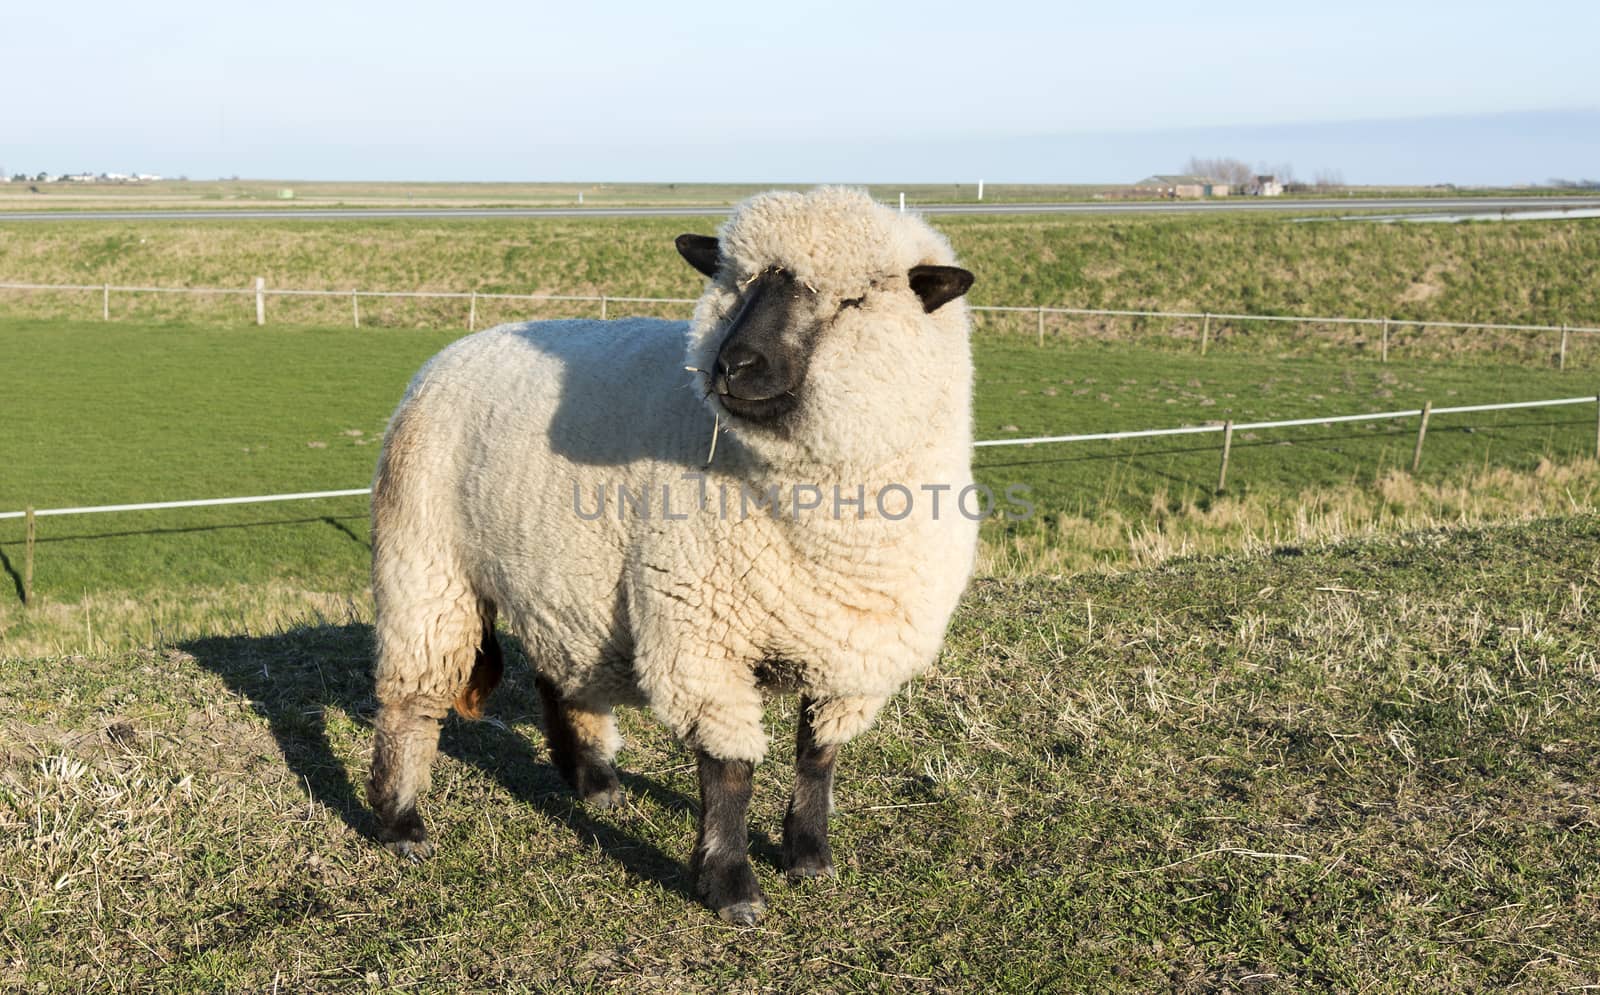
(1509, 272)
(128, 412)
(1360, 766)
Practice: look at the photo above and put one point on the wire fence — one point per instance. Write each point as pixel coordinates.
(1385, 327)
(1226, 428)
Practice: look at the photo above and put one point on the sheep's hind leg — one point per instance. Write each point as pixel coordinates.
(582, 741)
(418, 677)
(407, 737)
(805, 826)
(720, 868)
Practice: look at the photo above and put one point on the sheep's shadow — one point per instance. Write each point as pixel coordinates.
(293, 680)
(16, 578)
(588, 357)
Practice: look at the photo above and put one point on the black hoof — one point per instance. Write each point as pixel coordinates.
(809, 868)
(412, 850)
(597, 785)
(742, 913)
(406, 836)
(731, 892)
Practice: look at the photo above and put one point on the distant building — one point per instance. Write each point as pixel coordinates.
(1265, 186)
(1183, 186)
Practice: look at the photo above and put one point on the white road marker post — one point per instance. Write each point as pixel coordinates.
(105, 302)
(261, 300)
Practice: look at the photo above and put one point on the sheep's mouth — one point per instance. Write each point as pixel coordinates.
(757, 409)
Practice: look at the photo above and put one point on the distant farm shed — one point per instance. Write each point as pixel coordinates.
(1183, 186)
(1265, 186)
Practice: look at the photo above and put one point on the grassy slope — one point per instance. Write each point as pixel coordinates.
(1362, 767)
(1528, 272)
(129, 412)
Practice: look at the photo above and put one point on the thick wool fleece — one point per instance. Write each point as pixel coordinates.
(684, 593)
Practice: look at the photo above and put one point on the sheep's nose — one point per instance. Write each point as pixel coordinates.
(740, 366)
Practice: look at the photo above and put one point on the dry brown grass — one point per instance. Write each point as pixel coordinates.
(1260, 522)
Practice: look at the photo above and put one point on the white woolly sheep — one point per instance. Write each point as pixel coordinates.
(793, 513)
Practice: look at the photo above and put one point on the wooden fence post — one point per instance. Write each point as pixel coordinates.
(27, 560)
(1422, 432)
(472, 314)
(1227, 448)
(602, 307)
(1385, 340)
(261, 300)
(355, 307)
(105, 302)
(1561, 362)
(1205, 337)
(1041, 326)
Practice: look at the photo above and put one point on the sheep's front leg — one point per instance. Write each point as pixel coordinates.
(721, 869)
(805, 825)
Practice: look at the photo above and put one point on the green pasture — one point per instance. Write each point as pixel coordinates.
(127, 412)
(1538, 273)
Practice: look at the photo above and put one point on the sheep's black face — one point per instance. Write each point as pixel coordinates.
(765, 352)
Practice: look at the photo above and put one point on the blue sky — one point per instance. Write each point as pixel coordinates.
(1464, 92)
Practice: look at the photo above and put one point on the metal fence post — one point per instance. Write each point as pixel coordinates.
(27, 560)
(472, 314)
(261, 300)
(1385, 340)
(1227, 448)
(105, 302)
(1205, 337)
(1422, 433)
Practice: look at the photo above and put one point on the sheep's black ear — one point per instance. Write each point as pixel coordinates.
(939, 285)
(701, 251)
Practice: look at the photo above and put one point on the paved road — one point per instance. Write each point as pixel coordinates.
(1230, 205)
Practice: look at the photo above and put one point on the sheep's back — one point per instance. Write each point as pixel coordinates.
(527, 426)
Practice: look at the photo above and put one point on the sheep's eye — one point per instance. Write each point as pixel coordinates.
(852, 302)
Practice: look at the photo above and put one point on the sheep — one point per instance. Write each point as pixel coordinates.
(808, 434)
